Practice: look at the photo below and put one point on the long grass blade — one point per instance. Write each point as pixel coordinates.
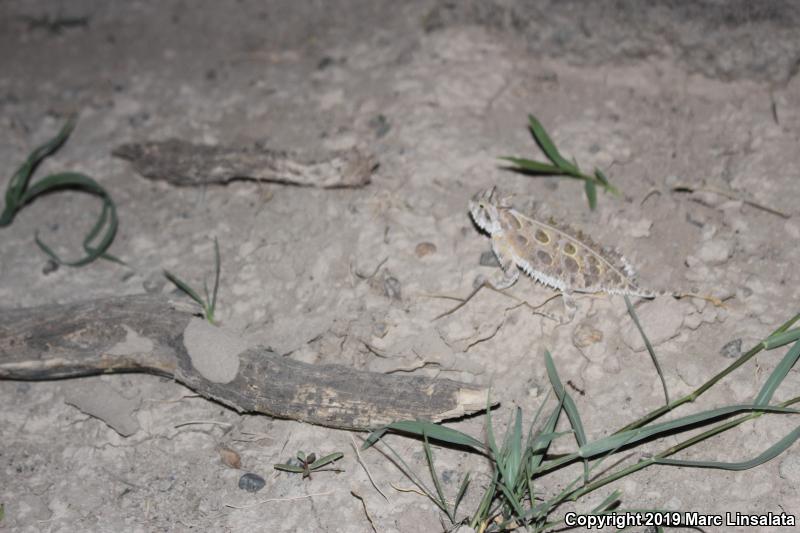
(433, 431)
(591, 193)
(442, 503)
(461, 492)
(534, 167)
(17, 186)
(778, 375)
(212, 305)
(626, 438)
(569, 404)
(548, 147)
(189, 291)
(632, 312)
(606, 504)
(769, 454)
(781, 339)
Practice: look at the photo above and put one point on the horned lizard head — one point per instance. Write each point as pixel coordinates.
(484, 210)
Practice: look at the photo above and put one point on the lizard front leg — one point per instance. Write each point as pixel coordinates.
(509, 272)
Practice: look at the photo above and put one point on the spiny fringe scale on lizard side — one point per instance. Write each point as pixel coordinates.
(552, 254)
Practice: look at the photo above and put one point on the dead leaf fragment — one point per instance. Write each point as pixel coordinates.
(425, 248)
(230, 457)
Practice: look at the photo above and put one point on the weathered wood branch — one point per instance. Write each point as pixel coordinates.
(147, 334)
(183, 163)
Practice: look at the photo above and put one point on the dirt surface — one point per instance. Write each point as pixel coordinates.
(705, 96)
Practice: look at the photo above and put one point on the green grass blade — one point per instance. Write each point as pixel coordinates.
(569, 404)
(781, 339)
(433, 431)
(533, 167)
(535, 420)
(778, 375)
(184, 287)
(17, 186)
(610, 500)
(511, 455)
(398, 461)
(632, 312)
(462, 490)
(482, 512)
(328, 459)
(213, 303)
(541, 445)
(76, 180)
(512, 500)
(603, 179)
(289, 468)
(769, 454)
(626, 438)
(436, 483)
(490, 440)
(591, 193)
(546, 144)
(374, 437)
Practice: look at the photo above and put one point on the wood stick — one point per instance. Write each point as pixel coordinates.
(147, 334)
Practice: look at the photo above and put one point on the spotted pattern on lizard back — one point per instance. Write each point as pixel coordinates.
(552, 254)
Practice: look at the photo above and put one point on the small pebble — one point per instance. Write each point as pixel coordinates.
(251, 482)
(732, 349)
(425, 248)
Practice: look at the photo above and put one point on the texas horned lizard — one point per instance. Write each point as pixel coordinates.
(552, 254)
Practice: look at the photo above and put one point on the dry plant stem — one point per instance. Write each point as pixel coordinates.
(465, 301)
(366, 511)
(146, 334)
(732, 196)
(364, 466)
(290, 499)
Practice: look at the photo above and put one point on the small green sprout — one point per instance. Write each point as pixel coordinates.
(309, 463)
(208, 304)
(560, 165)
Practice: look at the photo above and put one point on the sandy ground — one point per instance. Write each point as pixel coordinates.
(705, 95)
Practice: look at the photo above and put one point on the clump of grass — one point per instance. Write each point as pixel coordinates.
(515, 497)
(559, 165)
(309, 463)
(209, 303)
(21, 192)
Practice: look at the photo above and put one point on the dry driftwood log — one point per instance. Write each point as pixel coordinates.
(148, 334)
(183, 163)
